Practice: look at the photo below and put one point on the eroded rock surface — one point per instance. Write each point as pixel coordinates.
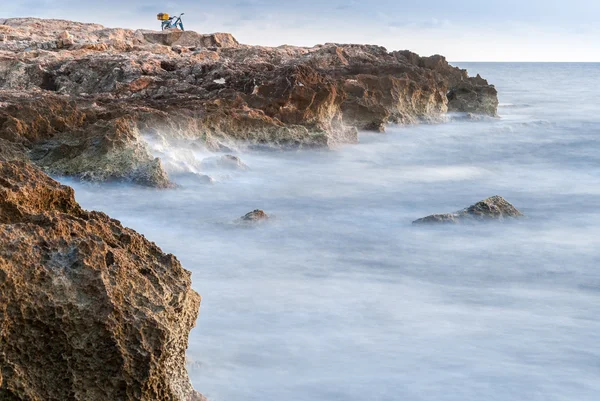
(205, 87)
(89, 309)
(493, 208)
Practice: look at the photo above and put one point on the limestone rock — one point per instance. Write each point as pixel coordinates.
(471, 98)
(205, 87)
(65, 40)
(175, 37)
(89, 309)
(65, 140)
(255, 216)
(493, 208)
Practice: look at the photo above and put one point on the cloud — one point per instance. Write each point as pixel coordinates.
(348, 5)
(248, 4)
(431, 23)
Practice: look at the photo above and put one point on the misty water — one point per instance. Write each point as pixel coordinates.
(339, 297)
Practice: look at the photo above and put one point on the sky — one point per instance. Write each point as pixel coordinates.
(462, 30)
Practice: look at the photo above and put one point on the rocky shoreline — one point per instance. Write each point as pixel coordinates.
(76, 98)
(90, 309)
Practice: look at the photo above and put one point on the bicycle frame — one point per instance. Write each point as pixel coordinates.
(173, 22)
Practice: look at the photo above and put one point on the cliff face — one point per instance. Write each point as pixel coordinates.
(114, 84)
(89, 310)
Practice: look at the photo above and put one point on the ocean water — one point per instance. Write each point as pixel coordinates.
(339, 297)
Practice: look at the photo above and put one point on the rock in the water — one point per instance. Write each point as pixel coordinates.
(255, 215)
(469, 98)
(493, 208)
(196, 178)
(89, 309)
(229, 162)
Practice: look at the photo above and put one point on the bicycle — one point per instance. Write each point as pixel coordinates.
(170, 22)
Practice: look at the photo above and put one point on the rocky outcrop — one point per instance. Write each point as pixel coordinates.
(64, 137)
(175, 37)
(466, 94)
(205, 87)
(254, 216)
(493, 208)
(89, 309)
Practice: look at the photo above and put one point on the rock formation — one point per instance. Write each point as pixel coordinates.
(493, 208)
(89, 310)
(75, 98)
(254, 216)
(228, 162)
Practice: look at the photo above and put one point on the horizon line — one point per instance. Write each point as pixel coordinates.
(525, 62)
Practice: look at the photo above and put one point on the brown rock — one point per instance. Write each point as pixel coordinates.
(175, 37)
(89, 309)
(255, 215)
(493, 208)
(209, 88)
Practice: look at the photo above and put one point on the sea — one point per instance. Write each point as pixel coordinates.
(339, 297)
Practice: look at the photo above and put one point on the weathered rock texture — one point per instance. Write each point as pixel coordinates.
(493, 208)
(89, 310)
(88, 92)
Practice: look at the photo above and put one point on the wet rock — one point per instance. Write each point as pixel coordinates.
(470, 98)
(493, 208)
(89, 309)
(229, 162)
(104, 151)
(255, 216)
(193, 178)
(465, 94)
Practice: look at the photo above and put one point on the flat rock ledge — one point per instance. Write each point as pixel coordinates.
(89, 310)
(493, 208)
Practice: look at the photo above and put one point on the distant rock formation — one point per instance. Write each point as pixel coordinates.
(255, 215)
(493, 208)
(175, 37)
(89, 310)
(63, 85)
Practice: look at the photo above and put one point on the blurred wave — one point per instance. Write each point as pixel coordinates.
(341, 298)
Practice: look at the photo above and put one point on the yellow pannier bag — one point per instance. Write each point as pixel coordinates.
(162, 17)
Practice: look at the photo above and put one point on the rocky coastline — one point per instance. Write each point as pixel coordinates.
(76, 99)
(89, 309)
(92, 310)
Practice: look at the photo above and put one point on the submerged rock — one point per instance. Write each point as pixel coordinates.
(493, 208)
(254, 216)
(192, 177)
(89, 309)
(229, 162)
